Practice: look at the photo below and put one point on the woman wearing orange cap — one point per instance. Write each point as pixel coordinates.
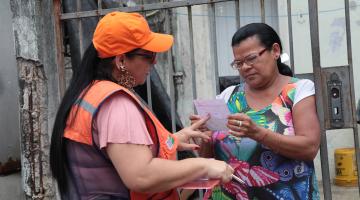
(105, 143)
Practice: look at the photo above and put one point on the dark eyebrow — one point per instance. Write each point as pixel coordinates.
(253, 53)
(241, 60)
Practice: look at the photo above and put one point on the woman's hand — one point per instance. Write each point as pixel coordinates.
(192, 132)
(217, 169)
(202, 128)
(241, 125)
(194, 119)
(206, 149)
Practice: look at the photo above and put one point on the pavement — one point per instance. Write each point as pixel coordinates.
(341, 193)
(10, 187)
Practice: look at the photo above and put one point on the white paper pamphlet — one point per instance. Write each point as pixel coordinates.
(218, 111)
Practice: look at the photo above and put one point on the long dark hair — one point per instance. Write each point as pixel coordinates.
(91, 68)
(267, 37)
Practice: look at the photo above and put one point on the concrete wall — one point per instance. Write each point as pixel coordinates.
(34, 35)
(204, 62)
(9, 92)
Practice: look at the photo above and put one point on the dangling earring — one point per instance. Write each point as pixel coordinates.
(125, 78)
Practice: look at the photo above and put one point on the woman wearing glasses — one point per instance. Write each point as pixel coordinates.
(105, 143)
(274, 132)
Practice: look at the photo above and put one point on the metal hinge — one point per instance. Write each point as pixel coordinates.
(178, 77)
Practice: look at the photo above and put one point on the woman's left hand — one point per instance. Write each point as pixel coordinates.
(241, 125)
(192, 132)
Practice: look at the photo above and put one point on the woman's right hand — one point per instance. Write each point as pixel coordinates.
(217, 169)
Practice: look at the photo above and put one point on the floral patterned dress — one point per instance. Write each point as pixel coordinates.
(266, 174)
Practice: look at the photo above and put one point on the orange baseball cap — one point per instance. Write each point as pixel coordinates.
(120, 32)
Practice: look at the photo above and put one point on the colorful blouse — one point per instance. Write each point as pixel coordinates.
(267, 175)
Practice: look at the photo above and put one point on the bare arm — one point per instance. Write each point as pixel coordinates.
(303, 146)
(143, 173)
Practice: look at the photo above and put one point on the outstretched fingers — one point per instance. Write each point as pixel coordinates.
(198, 134)
(201, 122)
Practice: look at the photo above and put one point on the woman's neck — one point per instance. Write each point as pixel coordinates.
(258, 98)
(273, 83)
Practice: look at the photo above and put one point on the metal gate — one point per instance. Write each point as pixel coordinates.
(333, 114)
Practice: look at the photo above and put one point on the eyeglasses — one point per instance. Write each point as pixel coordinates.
(151, 56)
(249, 60)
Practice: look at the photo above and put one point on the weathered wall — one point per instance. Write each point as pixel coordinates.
(9, 96)
(35, 56)
(205, 84)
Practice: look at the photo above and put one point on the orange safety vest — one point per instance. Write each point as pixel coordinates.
(79, 128)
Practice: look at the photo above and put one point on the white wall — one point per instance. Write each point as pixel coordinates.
(333, 52)
(355, 38)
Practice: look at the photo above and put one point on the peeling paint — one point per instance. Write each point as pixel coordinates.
(37, 179)
(24, 25)
(33, 35)
(10, 166)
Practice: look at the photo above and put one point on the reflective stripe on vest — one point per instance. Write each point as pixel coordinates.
(79, 126)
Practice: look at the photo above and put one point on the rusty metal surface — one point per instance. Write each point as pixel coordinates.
(59, 47)
(35, 159)
(213, 46)
(99, 5)
(344, 76)
(320, 100)
(291, 42)
(192, 53)
(148, 90)
(351, 86)
(10, 166)
(171, 75)
(80, 25)
(262, 11)
(139, 8)
(237, 14)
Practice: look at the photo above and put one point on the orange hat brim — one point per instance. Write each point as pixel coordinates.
(159, 42)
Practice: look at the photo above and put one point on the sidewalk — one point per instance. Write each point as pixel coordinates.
(10, 187)
(341, 193)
